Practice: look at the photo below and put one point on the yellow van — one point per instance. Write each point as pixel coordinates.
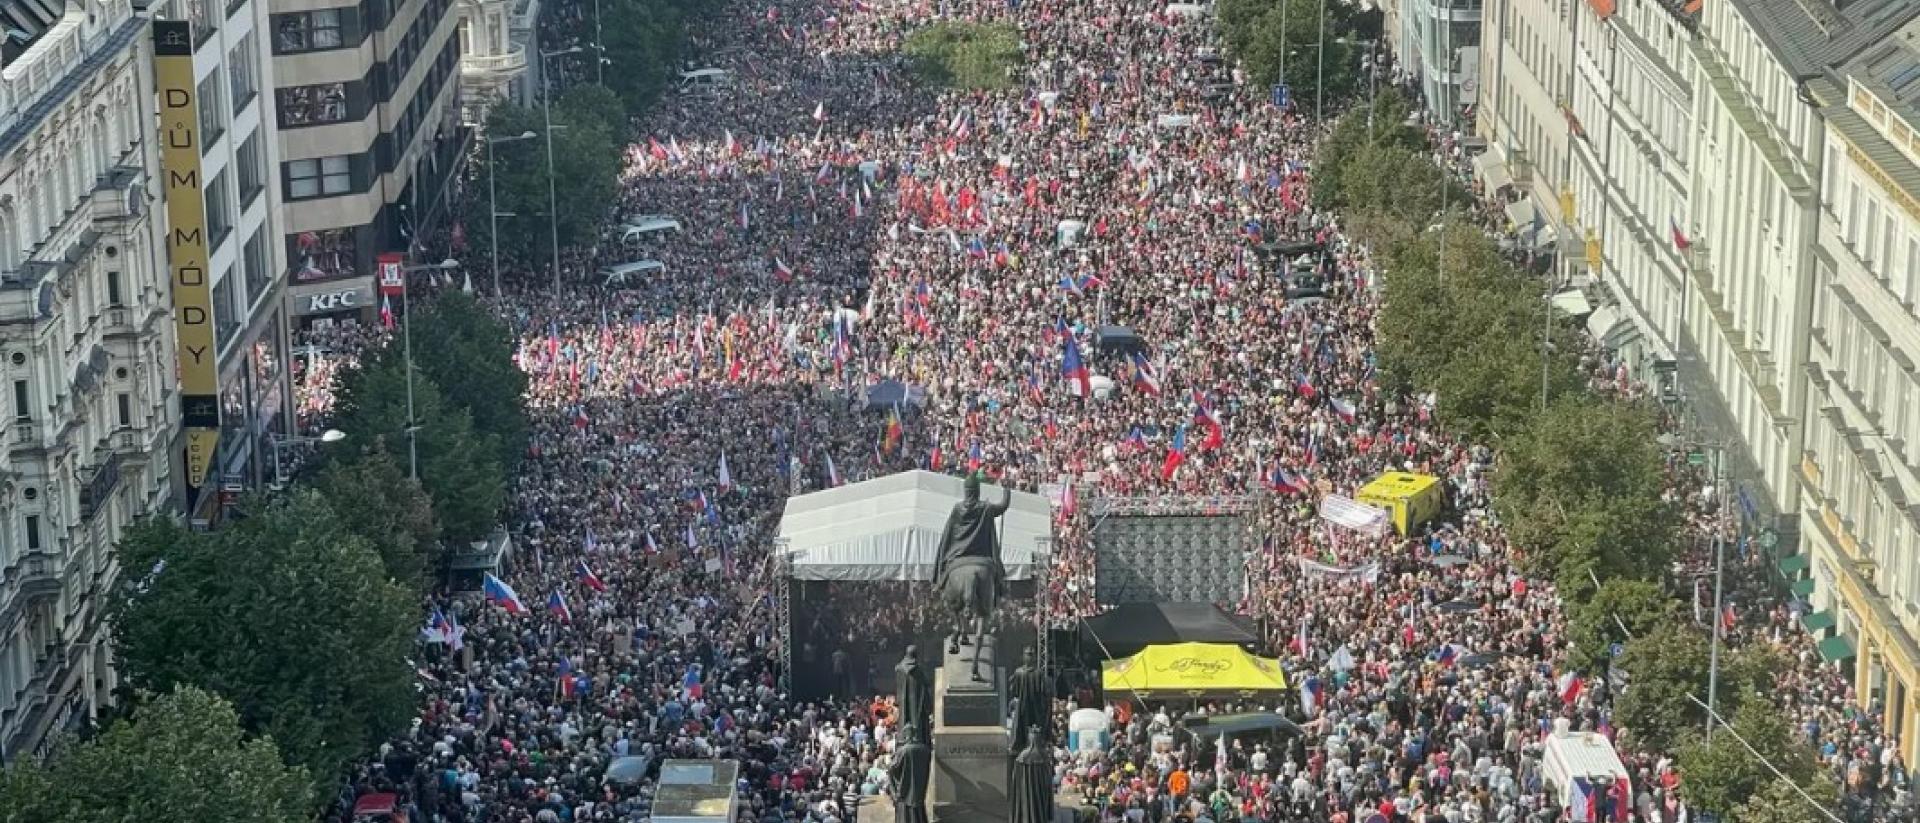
(1411, 498)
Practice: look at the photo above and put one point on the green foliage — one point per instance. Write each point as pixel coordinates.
(960, 55)
(459, 467)
(1724, 777)
(1591, 624)
(471, 359)
(285, 612)
(1263, 33)
(1667, 667)
(586, 170)
(1490, 389)
(180, 759)
(1581, 493)
(1381, 123)
(595, 106)
(644, 40)
(376, 500)
(1777, 802)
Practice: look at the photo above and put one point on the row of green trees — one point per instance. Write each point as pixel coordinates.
(265, 657)
(590, 132)
(1580, 477)
(1281, 41)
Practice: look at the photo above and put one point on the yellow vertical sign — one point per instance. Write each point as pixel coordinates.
(187, 245)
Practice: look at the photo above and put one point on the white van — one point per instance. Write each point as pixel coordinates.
(616, 276)
(705, 80)
(641, 225)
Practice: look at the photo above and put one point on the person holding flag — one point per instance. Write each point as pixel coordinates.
(1073, 369)
(1176, 454)
(500, 594)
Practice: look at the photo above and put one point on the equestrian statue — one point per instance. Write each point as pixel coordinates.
(968, 574)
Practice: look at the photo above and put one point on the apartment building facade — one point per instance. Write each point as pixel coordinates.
(1857, 480)
(87, 345)
(370, 139)
(1527, 66)
(492, 59)
(1438, 41)
(1630, 142)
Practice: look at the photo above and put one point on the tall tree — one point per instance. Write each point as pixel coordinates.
(1667, 667)
(181, 758)
(1619, 611)
(1777, 802)
(586, 171)
(593, 105)
(471, 360)
(459, 467)
(1722, 777)
(644, 40)
(1281, 40)
(376, 500)
(286, 613)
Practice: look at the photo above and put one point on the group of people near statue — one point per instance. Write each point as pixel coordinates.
(843, 225)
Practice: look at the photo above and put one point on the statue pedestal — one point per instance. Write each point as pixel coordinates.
(969, 742)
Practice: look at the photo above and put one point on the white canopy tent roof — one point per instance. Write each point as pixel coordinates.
(889, 528)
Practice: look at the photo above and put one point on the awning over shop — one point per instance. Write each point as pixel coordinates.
(1793, 565)
(1193, 669)
(1572, 303)
(1802, 588)
(1611, 328)
(1491, 168)
(1836, 648)
(1818, 621)
(1523, 216)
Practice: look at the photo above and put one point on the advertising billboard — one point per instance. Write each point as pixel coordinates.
(179, 133)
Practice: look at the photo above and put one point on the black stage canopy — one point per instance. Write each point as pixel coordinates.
(1129, 628)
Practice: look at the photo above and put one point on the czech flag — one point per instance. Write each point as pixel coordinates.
(1570, 685)
(1136, 439)
(586, 576)
(1284, 482)
(1344, 409)
(557, 604)
(974, 457)
(1303, 385)
(1176, 454)
(1310, 694)
(500, 594)
(1203, 414)
(1144, 380)
(726, 475)
(1074, 368)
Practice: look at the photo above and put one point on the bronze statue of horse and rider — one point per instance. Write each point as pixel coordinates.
(968, 575)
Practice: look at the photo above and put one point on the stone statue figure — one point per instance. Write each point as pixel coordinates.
(913, 686)
(1032, 692)
(911, 773)
(968, 574)
(1030, 789)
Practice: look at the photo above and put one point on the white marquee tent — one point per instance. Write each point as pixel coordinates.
(889, 528)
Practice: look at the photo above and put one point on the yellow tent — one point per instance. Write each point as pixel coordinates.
(1194, 669)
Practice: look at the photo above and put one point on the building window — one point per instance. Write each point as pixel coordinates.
(22, 407)
(33, 532)
(254, 258)
(320, 177)
(313, 105)
(200, 15)
(219, 210)
(243, 68)
(308, 31)
(323, 255)
(226, 321)
(212, 124)
(123, 409)
(252, 170)
(114, 296)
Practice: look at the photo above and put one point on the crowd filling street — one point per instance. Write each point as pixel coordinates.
(841, 226)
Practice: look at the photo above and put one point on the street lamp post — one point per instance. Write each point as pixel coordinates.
(280, 441)
(406, 338)
(553, 200)
(493, 203)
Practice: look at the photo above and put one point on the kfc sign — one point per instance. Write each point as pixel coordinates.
(392, 275)
(332, 297)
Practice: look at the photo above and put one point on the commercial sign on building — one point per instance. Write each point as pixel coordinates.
(199, 365)
(393, 277)
(332, 297)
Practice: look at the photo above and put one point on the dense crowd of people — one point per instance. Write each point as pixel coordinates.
(844, 226)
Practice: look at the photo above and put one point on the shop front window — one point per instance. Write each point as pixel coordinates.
(323, 255)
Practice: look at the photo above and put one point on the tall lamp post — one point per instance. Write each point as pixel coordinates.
(553, 200)
(281, 441)
(493, 203)
(406, 338)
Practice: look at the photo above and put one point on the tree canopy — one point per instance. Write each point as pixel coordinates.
(644, 40)
(459, 467)
(1280, 40)
(1725, 778)
(1594, 625)
(1667, 667)
(586, 171)
(963, 55)
(285, 612)
(376, 500)
(181, 758)
(1581, 492)
(471, 360)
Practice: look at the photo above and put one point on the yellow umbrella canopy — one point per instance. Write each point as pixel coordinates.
(1193, 668)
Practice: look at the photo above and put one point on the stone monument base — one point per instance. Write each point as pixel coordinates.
(969, 744)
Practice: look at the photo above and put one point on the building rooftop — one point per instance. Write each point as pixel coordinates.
(23, 21)
(1810, 36)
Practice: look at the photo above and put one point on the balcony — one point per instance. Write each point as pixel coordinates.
(96, 491)
(494, 68)
(26, 434)
(39, 574)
